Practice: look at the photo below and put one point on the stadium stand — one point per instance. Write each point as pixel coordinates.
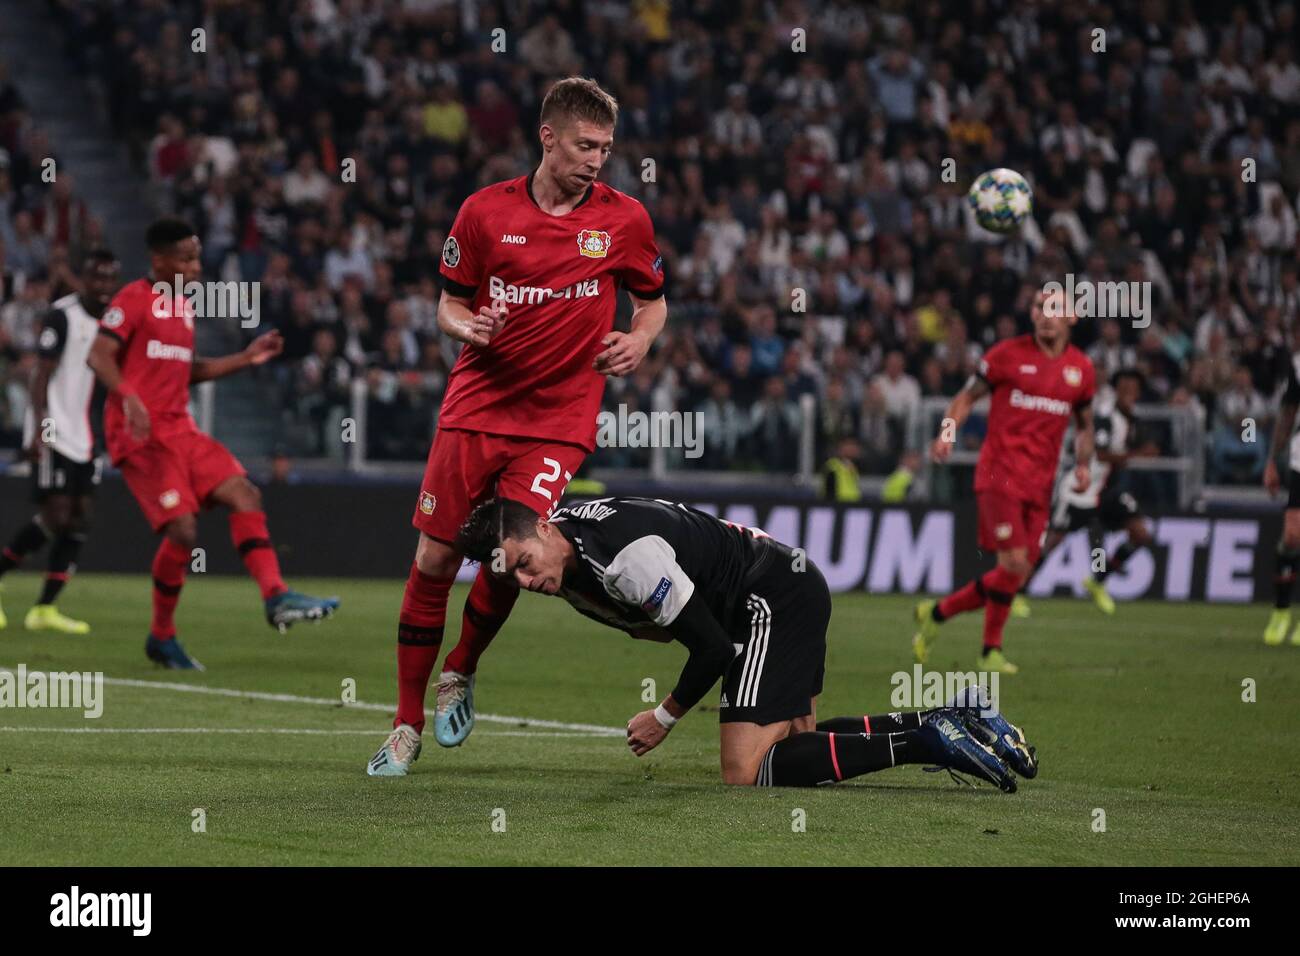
(777, 178)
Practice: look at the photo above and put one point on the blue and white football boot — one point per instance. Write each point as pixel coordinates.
(287, 608)
(985, 722)
(453, 717)
(400, 750)
(962, 752)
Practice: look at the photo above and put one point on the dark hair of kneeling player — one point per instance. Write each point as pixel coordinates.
(493, 522)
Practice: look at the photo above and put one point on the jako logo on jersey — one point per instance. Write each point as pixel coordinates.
(1039, 403)
(1002, 532)
(514, 240)
(593, 243)
(428, 502)
(170, 353)
(532, 294)
(656, 600)
(1073, 375)
(1029, 370)
(169, 498)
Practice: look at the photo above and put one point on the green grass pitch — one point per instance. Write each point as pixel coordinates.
(1140, 716)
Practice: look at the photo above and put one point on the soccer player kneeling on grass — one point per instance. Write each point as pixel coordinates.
(752, 613)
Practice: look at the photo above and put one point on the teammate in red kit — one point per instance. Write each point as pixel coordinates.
(531, 269)
(1038, 383)
(144, 355)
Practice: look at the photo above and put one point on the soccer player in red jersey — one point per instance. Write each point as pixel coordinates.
(1038, 382)
(144, 355)
(531, 270)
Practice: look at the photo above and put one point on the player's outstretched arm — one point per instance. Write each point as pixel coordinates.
(955, 416)
(103, 362)
(260, 351)
(624, 351)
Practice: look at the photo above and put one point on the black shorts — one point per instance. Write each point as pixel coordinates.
(1113, 513)
(55, 474)
(780, 635)
(1293, 489)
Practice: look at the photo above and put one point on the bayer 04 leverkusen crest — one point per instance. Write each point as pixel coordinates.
(593, 243)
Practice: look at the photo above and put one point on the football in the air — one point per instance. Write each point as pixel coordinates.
(1001, 200)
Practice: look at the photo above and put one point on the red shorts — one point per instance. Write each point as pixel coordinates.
(466, 468)
(1006, 522)
(176, 477)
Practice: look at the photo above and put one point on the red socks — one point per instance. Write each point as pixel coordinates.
(253, 542)
(169, 566)
(419, 637)
(486, 609)
(1001, 586)
(959, 602)
(993, 591)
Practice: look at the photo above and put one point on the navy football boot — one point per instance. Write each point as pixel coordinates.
(170, 654)
(985, 722)
(962, 752)
(289, 607)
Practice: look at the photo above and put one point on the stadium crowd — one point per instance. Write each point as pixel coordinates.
(810, 206)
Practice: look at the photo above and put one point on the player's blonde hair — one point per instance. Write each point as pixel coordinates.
(578, 98)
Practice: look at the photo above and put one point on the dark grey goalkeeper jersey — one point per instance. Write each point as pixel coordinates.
(640, 560)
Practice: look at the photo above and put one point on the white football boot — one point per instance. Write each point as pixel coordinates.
(400, 750)
(453, 718)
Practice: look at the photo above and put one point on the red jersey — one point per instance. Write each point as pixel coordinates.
(155, 359)
(1032, 401)
(559, 277)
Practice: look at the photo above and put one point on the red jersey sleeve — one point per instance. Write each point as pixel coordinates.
(123, 315)
(642, 271)
(462, 253)
(994, 366)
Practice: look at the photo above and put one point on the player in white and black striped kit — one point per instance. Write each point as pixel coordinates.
(752, 613)
(59, 441)
(1288, 545)
(1104, 505)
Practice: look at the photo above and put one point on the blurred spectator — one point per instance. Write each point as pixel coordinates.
(840, 480)
(774, 428)
(1240, 438)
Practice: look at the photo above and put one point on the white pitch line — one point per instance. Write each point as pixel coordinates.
(305, 731)
(592, 729)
